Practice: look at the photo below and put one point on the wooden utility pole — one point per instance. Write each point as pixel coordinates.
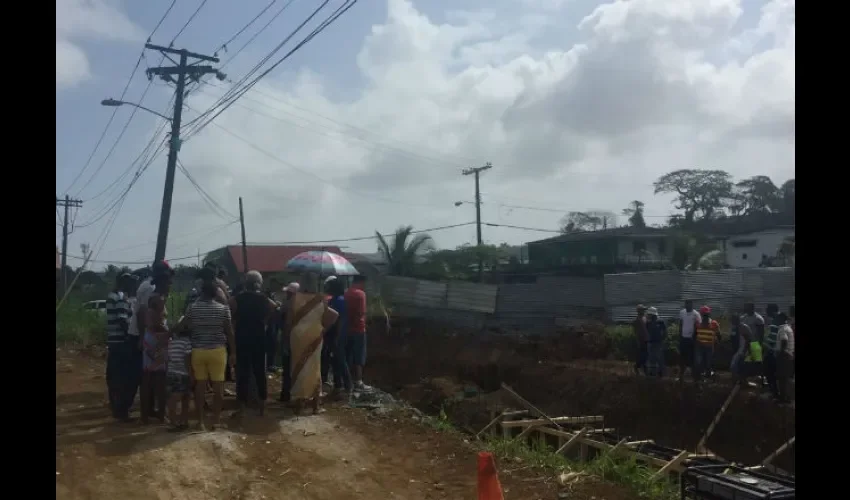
(183, 70)
(67, 202)
(244, 244)
(476, 171)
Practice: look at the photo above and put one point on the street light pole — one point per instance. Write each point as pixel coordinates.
(182, 70)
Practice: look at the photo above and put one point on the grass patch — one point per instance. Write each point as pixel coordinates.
(79, 326)
(627, 472)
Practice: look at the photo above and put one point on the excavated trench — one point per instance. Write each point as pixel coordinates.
(460, 373)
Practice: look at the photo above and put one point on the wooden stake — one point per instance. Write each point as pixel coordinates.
(671, 464)
(528, 405)
(778, 451)
(704, 439)
(491, 424)
(578, 435)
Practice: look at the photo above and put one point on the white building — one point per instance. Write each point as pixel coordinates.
(755, 248)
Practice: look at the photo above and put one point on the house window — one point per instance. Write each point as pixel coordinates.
(593, 259)
(662, 247)
(638, 247)
(744, 256)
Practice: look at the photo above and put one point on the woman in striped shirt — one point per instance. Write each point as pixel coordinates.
(211, 333)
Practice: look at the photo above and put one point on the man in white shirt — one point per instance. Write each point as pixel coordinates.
(688, 321)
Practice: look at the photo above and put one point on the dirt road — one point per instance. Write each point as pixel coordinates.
(342, 454)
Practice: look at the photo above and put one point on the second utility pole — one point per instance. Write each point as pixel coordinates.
(244, 245)
(182, 70)
(67, 203)
(476, 171)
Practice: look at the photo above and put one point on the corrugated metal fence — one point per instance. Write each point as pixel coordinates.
(556, 300)
(724, 291)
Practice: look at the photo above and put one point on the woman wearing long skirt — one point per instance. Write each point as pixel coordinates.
(309, 315)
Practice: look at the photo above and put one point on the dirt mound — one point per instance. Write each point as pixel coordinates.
(417, 364)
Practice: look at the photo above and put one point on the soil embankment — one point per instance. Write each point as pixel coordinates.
(431, 367)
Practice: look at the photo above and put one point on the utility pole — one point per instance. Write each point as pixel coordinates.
(476, 171)
(244, 245)
(182, 70)
(67, 202)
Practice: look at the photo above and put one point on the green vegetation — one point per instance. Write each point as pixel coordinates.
(627, 472)
(79, 326)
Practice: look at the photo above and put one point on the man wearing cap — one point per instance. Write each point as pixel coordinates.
(121, 348)
(639, 329)
(706, 335)
(656, 333)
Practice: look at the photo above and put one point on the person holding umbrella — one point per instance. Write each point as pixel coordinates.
(307, 319)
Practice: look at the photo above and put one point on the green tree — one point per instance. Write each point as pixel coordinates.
(700, 194)
(402, 252)
(788, 195)
(635, 214)
(694, 251)
(575, 222)
(757, 195)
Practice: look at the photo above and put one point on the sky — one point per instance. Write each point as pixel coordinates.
(578, 104)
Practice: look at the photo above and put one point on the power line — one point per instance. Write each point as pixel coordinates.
(224, 45)
(311, 174)
(214, 205)
(235, 88)
(206, 230)
(123, 93)
(367, 142)
(524, 228)
(260, 31)
(361, 238)
(564, 211)
(191, 18)
(236, 94)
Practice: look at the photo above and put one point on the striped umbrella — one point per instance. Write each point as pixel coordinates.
(322, 263)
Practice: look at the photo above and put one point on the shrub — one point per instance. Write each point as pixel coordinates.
(80, 326)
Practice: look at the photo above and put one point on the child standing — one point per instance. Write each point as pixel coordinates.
(154, 361)
(179, 379)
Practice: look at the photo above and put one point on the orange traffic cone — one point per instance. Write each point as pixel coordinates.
(489, 487)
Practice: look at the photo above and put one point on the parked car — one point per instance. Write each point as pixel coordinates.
(98, 306)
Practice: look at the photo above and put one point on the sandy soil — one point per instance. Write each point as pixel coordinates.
(342, 454)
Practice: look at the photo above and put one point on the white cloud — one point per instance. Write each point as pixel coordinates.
(87, 20)
(642, 87)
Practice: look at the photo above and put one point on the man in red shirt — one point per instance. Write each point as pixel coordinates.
(355, 331)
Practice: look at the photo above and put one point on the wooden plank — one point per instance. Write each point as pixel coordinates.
(555, 420)
(600, 445)
(493, 422)
(779, 451)
(530, 407)
(704, 439)
(642, 441)
(671, 465)
(573, 440)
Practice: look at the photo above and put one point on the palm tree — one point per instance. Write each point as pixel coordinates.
(401, 255)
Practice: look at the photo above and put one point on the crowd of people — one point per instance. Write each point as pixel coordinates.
(763, 348)
(231, 335)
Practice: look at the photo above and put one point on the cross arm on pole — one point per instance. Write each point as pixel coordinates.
(169, 50)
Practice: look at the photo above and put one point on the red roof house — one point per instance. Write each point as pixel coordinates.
(263, 258)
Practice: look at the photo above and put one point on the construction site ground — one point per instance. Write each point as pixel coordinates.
(345, 453)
